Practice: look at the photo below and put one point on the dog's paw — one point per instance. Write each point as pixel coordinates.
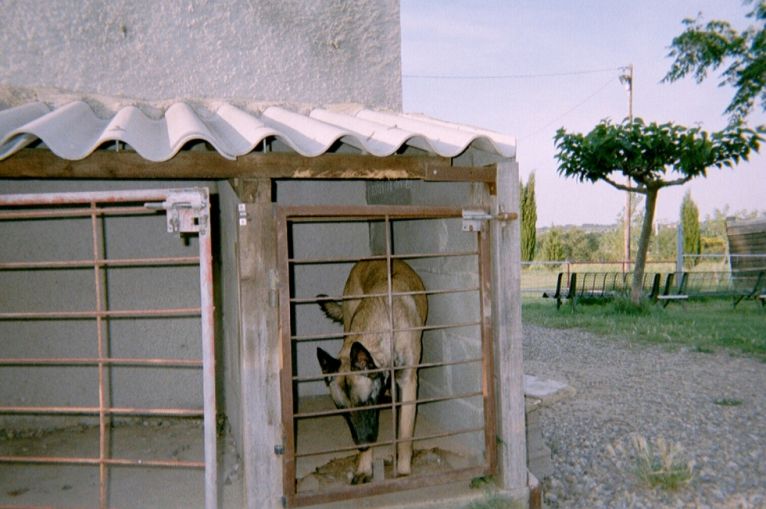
(403, 473)
(361, 478)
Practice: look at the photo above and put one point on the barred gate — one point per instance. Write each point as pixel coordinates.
(454, 437)
(72, 300)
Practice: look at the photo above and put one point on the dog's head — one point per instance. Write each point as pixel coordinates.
(351, 390)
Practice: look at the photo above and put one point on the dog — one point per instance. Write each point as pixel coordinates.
(363, 352)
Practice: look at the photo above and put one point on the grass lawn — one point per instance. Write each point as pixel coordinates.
(705, 326)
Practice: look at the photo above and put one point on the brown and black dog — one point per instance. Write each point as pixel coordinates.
(363, 352)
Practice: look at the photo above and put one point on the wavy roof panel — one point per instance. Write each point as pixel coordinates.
(74, 130)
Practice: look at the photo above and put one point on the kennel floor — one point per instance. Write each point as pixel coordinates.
(70, 486)
(334, 470)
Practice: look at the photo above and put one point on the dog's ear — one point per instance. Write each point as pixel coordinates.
(361, 359)
(333, 310)
(327, 362)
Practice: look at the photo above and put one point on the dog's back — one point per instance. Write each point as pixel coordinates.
(371, 278)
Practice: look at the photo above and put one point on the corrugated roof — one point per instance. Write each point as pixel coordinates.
(74, 130)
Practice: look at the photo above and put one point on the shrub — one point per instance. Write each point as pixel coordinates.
(660, 464)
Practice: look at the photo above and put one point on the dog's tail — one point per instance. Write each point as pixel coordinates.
(331, 308)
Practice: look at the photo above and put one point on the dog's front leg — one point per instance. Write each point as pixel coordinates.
(363, 471)
(409, 389)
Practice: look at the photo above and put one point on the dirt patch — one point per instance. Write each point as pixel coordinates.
(338, 472)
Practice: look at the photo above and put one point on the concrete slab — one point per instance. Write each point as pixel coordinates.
(546, 391)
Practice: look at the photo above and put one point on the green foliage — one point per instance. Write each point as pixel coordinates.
(664, 243)
(553, 248)
(528, 220)
(702, 48)
(690, 219)
(648, 153)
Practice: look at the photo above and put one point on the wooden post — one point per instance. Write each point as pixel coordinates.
(261, 410)
(509, 374)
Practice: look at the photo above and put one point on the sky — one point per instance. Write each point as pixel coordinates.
(529, 67)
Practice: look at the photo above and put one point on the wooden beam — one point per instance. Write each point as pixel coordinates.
(506, 313)
(102, 164)
(260, 348)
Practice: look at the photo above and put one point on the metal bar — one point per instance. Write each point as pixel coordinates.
(125, 313)
(424, 328)
(103, 473)
(488, 378)
(91, 410)
(394, 441)
(344, 213)
(37, 199)
(391, 339)
(112, 361)
(71, 460)
(423, 365)
(309, 300)
(74, 213)
(85, 264)
(208, 361)
(400, 483)
(341, 411)
(406, 256)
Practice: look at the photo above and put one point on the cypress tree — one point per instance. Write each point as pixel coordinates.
(528, 220)
(690, 218)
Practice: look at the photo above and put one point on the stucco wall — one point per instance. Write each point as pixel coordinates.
(265, 50)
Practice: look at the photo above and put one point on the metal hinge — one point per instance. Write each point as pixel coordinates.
(187, 211)
(242, 213)
(474, 219)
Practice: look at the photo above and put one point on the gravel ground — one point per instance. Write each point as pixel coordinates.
(712, 404)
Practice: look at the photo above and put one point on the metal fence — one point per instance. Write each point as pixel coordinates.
(538, 277)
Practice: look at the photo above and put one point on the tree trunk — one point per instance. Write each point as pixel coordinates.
(643, 246)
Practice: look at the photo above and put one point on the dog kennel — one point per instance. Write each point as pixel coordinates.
(303, 200)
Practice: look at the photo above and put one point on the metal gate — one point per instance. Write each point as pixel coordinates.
(454, 436)
(73, 299)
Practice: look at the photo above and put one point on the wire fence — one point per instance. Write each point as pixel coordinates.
(538, 277)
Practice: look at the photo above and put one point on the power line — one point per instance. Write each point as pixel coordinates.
(509, 76)
(570, 110)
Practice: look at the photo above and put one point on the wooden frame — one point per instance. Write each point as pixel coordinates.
(38, 163)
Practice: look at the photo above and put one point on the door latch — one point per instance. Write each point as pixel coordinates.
(474, 219)
(187, 211)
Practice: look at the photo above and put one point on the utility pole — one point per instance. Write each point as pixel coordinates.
(626, 78)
